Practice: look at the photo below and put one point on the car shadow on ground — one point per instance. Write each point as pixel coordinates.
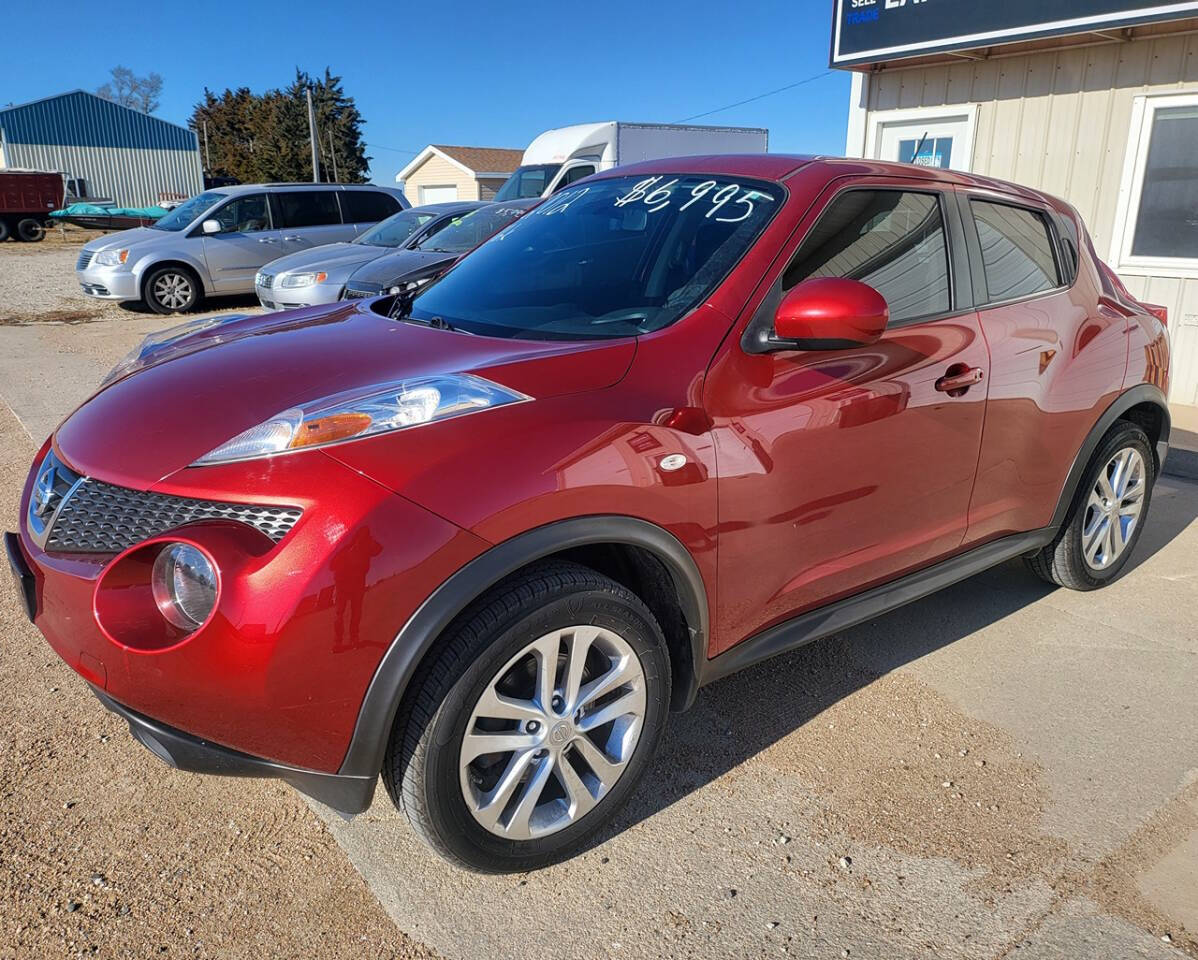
(740, 716)
(210, 304)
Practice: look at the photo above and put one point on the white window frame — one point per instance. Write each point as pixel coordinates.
(1131, 188)
(937, 114)
(440, 186)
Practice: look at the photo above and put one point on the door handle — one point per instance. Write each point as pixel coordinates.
(293, 238)
(266, 239)
(959, 378)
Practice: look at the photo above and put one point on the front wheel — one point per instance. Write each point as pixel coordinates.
(533, 723)
(1107, 515)
(172, 290)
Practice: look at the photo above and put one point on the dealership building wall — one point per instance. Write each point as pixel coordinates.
(1073, 120)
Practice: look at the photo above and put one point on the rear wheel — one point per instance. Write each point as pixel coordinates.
(1107, 515)
(30, 230)
(532, 725)
(172, 290)
(5, 230)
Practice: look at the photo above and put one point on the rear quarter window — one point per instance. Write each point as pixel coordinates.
(1017, 251)
(367, 206)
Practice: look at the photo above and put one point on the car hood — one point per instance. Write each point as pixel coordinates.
(220, 381)
(125, 239)
(341, 257)
(399, 264)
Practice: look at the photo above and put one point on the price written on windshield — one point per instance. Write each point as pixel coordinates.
(736, 204)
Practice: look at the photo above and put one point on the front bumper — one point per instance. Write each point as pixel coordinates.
(275, 297)
(347, 795)
(109, 283)
(280, 670)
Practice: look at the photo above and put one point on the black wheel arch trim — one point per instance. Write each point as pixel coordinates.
(416, 638)
(1133, 397)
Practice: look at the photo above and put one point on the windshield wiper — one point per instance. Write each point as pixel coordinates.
(401, 310)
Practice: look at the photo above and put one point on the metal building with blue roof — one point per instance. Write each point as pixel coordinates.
(109, 151)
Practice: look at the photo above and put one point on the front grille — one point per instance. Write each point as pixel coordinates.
(95, 289)
(98, 517)
(85, 258)
(265, 280)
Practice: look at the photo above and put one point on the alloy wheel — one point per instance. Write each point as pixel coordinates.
(173, 290)
(552, 732)
(1113, 508)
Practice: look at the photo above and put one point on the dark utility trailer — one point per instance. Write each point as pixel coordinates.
(26, 198)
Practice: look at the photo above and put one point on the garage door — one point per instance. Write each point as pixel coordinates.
(438, 194)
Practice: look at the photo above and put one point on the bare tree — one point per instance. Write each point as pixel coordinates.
(130, 90)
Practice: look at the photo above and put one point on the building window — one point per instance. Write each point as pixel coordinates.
(1167, 221)
(1157, 226)
(438, 194)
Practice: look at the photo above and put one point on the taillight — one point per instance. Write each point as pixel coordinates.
(1161, 313)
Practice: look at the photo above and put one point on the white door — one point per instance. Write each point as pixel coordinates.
(932, 140)
(438, 194)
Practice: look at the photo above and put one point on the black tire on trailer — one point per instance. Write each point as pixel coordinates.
(5, 230)
(30, 230)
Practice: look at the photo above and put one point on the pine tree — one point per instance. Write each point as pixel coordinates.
(264, 137)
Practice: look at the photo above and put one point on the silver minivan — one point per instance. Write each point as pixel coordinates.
(214, 243)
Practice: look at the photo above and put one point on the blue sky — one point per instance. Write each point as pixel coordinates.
(466, 73)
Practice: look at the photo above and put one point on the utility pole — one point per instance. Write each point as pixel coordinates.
(312, 137)
(333, 154)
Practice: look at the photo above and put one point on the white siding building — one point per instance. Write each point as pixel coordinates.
(1095, 105)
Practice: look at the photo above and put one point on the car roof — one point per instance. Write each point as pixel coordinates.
(778, 167)
(240, 188)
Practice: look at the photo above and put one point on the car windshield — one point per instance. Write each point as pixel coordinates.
(466, 232)
(393, 231)
(187, 211)
(614, 258)
(527, 182)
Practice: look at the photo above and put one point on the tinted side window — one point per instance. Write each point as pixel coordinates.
(1016, 251)
(574, 173)
(367, 206)
(890, 239)
(306, 208)
(244, 215)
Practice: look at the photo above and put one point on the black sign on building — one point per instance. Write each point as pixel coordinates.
(876, 31)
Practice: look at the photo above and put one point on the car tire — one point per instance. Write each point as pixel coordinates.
(30, 230)
(5, 230)
(1107, 515)
(564, 790)
(172, 289)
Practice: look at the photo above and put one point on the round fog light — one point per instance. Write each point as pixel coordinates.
(184, 583)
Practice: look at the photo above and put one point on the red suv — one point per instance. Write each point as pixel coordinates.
(683, 416)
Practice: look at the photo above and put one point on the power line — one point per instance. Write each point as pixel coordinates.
(379, 146)
(760, 96)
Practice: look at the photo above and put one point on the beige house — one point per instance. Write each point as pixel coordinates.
(1099, 107)
(440, 173)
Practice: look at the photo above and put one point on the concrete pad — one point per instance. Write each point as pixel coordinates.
(1079, 930)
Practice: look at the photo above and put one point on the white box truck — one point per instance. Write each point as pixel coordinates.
(559, 157)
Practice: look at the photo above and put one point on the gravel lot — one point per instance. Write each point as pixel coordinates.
(998, 771)
(37, 284)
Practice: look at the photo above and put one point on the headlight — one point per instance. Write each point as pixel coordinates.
(303, 279)
(111, 258)
(184, 584)
(156, 345)
(379, 408)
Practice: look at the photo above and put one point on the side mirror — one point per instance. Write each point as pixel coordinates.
(830, 313)
(210, 226)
